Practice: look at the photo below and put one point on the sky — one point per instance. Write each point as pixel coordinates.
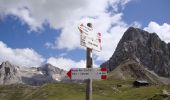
(34, 32)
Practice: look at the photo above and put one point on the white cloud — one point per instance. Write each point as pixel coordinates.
(57, 13)
(20, 9)
(25, 16)
(162, 30)
(66, 63)
(136, 24)
(116, 3)
(22, 57)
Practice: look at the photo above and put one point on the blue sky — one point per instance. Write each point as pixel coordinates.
(34, 32)
(145, 11)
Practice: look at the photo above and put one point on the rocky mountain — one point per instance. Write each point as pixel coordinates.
(10, 74)
(145, 49)
(52, 72)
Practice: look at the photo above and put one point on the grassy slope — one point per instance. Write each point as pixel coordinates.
(102, 90)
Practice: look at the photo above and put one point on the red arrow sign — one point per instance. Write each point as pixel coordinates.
(69, 74)
(87, 73)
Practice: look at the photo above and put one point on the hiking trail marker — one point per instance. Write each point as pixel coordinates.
(87, 73)
(89, 38)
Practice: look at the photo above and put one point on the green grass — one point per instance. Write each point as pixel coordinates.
(15, 92)
(102, 90)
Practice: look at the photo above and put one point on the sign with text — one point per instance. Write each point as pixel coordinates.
(87, 73)
(89, 38)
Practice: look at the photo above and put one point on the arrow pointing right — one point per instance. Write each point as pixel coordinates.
(69, 74)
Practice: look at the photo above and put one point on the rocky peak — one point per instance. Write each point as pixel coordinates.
(8, 68)
(7, 63)
(143, 47)
(51, 72)
(9, 73)
(49, 69)
(134, 34)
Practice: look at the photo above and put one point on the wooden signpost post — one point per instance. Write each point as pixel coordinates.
(91, 40)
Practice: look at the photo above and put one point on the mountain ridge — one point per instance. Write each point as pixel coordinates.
(47, 73)
(145, 48)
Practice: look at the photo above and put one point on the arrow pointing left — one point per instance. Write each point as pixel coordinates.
(69, 74)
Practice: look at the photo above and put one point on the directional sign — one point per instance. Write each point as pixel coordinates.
(87, 73)
(89, 38)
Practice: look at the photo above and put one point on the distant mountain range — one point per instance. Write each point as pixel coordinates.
(11, 74)
(141, 55)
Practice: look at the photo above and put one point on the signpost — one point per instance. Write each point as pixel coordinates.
(92, 40)
(87, 73)
(89, 38)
